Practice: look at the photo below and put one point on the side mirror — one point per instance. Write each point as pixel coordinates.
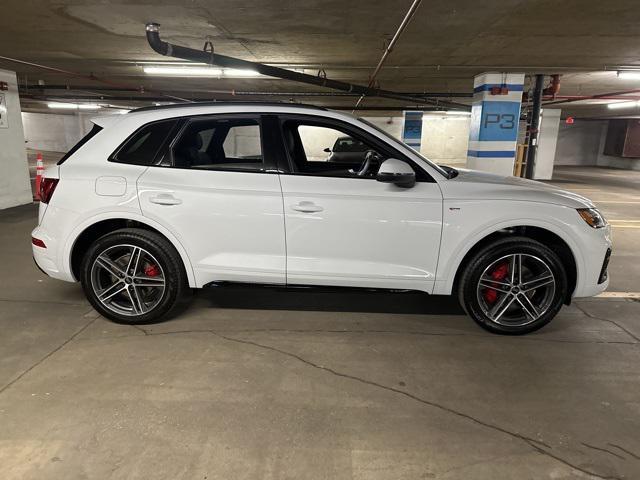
(327, 150)
(397, 172)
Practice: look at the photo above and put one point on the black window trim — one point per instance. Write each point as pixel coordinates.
(343, 126)
(92, 133)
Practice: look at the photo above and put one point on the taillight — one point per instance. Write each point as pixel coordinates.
(47, 187)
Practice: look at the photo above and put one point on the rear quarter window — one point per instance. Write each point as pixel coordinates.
(143, 146)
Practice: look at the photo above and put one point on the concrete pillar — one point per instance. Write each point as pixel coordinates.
(412, 129)
(15, 188)
(547, 140)
(494, 122)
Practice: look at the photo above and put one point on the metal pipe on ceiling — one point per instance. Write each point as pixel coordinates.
(212, 58)
(80, 75)
(241, 92)
(609, 96)
(405, 21)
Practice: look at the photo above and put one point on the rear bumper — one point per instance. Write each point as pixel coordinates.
(46, 258)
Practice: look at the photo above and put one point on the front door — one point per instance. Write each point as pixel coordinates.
(219, 196)
(345, 228)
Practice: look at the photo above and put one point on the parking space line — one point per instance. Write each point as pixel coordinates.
(619, 295)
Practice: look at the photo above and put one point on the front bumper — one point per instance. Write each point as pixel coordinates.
(597, 247)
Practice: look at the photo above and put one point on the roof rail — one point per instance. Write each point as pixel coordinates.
(225, 103)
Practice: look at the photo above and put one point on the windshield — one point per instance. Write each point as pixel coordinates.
(390, 137)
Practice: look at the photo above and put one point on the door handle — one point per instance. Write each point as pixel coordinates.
(165, 199)
(307, 207)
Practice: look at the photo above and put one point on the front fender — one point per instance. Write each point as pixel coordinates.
(466, 223)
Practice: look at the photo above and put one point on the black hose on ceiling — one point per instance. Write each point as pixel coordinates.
(212, 58)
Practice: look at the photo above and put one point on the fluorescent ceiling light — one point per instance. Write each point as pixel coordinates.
(198, 71)
(233, 72)
(73, 106)
(629, 74)
(620, 105)
(183, 71)
(457, 112)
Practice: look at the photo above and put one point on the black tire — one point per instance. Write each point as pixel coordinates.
(157, 253)
(475, 298)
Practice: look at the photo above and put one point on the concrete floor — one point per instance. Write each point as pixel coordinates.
(273, 385)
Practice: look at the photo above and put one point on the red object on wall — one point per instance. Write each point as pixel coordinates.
(569, 121)
(502, 90)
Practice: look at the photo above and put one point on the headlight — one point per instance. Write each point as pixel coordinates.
(593, 217)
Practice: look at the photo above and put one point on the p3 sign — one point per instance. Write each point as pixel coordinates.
(505, 121)
(499, 121)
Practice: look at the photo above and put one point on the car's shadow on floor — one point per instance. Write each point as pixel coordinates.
(329, 299)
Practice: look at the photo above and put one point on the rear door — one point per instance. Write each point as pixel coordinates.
(215, 187)
(350, 230)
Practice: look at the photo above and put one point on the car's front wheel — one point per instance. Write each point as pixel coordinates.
(513, 286)
(133, 276)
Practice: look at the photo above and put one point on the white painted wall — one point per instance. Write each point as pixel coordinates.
(445, 138)
(15, 188)
(392, 124)
(547, 142)
(55, 132)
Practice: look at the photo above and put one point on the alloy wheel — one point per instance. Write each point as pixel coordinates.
(127, 280)
(516, 290)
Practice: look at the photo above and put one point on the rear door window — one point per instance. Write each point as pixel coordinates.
(220, 144)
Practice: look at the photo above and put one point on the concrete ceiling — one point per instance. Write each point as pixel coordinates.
(445, 45)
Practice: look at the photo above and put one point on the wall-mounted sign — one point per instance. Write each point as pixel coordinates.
(4, 115)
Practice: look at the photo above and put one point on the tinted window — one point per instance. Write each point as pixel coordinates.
(220, 144)
(142, 147)
(85, 139)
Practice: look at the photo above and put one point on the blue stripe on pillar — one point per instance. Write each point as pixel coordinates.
(492, 153)
(488, 86)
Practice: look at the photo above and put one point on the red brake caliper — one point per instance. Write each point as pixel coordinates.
(151, 270)
(499, 273)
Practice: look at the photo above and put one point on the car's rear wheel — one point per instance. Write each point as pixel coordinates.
(513, 286)
(133, 276)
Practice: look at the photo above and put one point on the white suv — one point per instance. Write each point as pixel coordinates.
(165, 199)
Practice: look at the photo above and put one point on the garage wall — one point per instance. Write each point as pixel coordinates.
(579, 143)
(582, 144)
(15, 188)
(55, 132)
